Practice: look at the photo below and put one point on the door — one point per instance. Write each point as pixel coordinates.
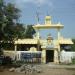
(49, 56)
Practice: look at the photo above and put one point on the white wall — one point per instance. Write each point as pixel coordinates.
(66, 56)
(17, 54)
(10, 53)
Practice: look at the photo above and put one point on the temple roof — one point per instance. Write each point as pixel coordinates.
(35, 41)
(65, 41)
(48, 26)
(26, 41)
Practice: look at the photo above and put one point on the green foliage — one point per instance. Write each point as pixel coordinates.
(1, 18)
(9, 15)
(11, 12)
(73, 46)
(19, 31)
(29, 32)
(1, 52)
(9, 28)
(73, 61)
(8, 46)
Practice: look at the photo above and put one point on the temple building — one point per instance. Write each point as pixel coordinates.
(38, 49)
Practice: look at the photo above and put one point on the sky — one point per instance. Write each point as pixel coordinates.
(62, 11)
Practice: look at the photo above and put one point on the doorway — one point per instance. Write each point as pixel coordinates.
(49, 56)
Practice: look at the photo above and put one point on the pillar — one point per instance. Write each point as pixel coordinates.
(58, 45)
(15, 51)
(58, 34)
(38, 40)
(56, 60)
(38, 35)
(15, 47)
(43, 57)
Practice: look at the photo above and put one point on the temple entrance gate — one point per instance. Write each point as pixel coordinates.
(49, 56)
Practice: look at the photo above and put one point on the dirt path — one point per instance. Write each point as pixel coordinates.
(46, 70)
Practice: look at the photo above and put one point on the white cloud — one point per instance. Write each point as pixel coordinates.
(32, 1)
(21, 3)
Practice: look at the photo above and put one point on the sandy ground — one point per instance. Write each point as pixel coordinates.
(46, 70)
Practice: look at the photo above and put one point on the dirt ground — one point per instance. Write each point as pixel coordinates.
(46, 70)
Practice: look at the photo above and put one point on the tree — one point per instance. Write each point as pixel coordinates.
(10, 29)
(73, 46)
(9, 15)
(19, 31)
(1, 19)
(29, 32)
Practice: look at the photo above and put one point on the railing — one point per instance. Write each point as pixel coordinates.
(31, 57)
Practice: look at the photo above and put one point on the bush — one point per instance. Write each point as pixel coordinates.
(73, 61)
